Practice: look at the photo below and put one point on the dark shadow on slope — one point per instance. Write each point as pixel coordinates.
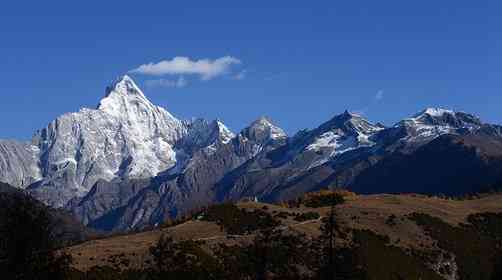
(449, 165)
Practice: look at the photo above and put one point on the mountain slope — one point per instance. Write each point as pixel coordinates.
(450, 165)
(122, 144)
(18, 163)
(126, 136)
(390, 216)
(63, 225)
(126, 204)
(350, 152)
(129, 164)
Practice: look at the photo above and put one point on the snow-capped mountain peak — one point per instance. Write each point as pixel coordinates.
(224, 134)
(351, 114)
(125, 137)
(343, 133)
(125, 84)
(435, 112)
(349, 123)
(432, 122)
(263, 130)
(124, 96)
(443, 117)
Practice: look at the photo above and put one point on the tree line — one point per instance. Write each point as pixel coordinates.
(29, 249)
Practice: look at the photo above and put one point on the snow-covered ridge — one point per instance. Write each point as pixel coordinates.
(433, 122)
(262, 133)
(434, 112)
(225, 134)
(263, 129)
(126, 136)
(343, 133)
(122, 94)
(346, 125)
(348, 131)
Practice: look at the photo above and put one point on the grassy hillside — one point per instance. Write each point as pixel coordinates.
(409, 230)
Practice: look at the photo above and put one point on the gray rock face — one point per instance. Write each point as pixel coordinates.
(338, 152)
(127, 204)
(18, 163)
(263, 131)
(126, 137)
(129, 164)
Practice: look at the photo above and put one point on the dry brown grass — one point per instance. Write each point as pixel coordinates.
(135, 246)
(373, 211)
(359, 212)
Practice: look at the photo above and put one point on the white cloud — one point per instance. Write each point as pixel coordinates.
(166, 83)
(379, 95)
(207, 69)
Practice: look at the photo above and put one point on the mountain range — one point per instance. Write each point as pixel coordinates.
(129, 164)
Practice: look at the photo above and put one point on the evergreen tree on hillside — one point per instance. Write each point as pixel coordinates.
(334, 262)
(182, 260)
(273, 254)
(329, 228)
(27, 242)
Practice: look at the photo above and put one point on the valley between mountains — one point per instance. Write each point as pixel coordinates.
(128, 164)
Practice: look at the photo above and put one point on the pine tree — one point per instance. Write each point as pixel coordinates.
(163, 253)
(27, 241)
(328, 246)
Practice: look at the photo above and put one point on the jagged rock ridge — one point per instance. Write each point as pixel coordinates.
(129, 164)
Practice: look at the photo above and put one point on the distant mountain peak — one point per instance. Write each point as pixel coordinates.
(224, 133)
(432, 122)
(349, 114)
(124, 98)
(124, 85)
(263, 121)
(125, 137)
(443, 117)
(343, 133)
(263, 129)
(349, 122)
(434, 112)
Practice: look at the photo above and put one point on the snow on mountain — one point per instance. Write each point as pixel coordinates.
(262, 133)
(435, 112)
(99, 160)
(125, 137)
(263, 130)
(343, 133)
(433, 122)
(19, 163)
(224, 134)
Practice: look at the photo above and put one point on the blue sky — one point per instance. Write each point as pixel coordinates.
(301, 62)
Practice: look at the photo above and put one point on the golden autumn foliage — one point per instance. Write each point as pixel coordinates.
(321, 198)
